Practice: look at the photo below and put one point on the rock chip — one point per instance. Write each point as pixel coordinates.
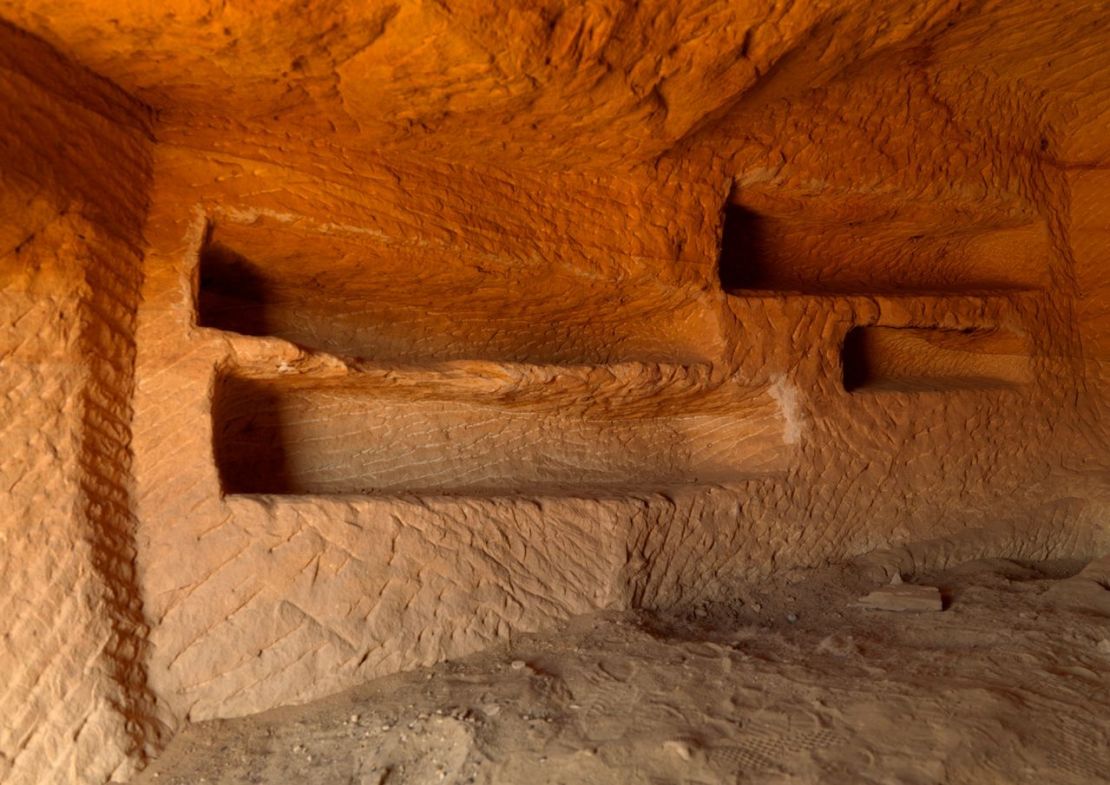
(904, 597)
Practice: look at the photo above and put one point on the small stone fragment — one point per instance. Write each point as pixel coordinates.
(517, 664)
(904, 597)
(677, 747)
(1104, 645)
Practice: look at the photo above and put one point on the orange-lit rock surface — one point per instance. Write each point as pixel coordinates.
(339, 338)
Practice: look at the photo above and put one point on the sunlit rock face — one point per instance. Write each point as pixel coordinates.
(339, 338)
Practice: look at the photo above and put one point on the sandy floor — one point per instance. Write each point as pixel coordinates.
(791, 682)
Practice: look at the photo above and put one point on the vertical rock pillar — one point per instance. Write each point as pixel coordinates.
(74, 169)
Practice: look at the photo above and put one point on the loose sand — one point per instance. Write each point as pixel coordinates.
(790, 682)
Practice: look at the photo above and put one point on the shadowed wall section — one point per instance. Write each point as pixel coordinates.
(75, 157)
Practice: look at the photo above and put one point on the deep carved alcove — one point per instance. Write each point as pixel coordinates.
(798, 254)
(361, 295)
(889, 359)
(478, 429)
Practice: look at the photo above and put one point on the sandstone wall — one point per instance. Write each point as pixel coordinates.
(365, 383)
(459, 318)
(488, 386)
(75, 162)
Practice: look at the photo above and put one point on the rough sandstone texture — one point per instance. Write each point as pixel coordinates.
(341, 338)
(76, 158)
(794, 683)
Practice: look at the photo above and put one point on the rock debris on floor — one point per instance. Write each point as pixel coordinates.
(785, 682)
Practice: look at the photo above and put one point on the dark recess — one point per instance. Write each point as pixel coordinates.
(854, 359)
(233, 295)
(742, 262)
(247, 437)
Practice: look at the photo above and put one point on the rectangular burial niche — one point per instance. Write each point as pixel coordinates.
(794, 254)
(908, 359)
(742, 261)
(359, 294)
(526, 429)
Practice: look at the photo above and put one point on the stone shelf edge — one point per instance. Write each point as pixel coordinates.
(967, 295)
(292, 422)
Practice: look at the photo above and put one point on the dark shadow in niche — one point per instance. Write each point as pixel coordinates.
(855, 360)
(248, 437)
(742, 261)
(233, 294)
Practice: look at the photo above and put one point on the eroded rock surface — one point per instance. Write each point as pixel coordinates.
(1006, 686)
(342, 338)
